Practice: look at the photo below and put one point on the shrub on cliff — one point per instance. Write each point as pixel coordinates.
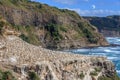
(49, 24)
(81, 75)
(33, 76)
(114, 77)
(7, 75)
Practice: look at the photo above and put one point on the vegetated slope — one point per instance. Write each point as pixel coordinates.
(29, 62)
(48, 26)
(108, 26)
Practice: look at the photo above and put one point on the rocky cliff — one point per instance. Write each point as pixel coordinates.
(109, 26)
(23, 61)
(48, 26)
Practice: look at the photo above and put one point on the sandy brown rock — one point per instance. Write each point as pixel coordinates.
(21, 57)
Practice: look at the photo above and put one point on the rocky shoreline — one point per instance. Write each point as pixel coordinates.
(24, 60)
(21, 57)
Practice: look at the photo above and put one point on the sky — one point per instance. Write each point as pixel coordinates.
(87, 7)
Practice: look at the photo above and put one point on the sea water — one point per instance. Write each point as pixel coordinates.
(111, 52)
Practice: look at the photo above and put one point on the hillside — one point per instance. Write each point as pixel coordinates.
(20, 60)
(108, 26)
(50, 27)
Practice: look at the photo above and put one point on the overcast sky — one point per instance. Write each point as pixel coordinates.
(87, 7)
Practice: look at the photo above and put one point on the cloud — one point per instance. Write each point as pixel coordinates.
(96, 12)
(93, 6)
(68, 2)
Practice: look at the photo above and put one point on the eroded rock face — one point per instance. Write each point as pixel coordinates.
(21, 57)
(51, 27)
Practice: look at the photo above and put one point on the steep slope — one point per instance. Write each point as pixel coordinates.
(48, 26)
(30, 62)
(108, 26)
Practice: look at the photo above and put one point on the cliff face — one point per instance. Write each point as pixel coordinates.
(22, 61)
(50, 27)
(109, 26)
(26, 62)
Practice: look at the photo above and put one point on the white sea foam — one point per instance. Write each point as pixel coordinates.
(118, 39)
(118, 71)
(107, 50)
(81, 50)
(112, 53)
(102, 54)
(112, 58)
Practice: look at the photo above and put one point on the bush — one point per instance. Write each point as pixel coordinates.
(24, 37)
(28, 34)
(31, 38)
(94, 73)
(1, 26)
(53, 29)
(88, 32)
(81, 75)
(114, 77)
(7, 75)
(33, 76)
(98, 69)
(39, 6)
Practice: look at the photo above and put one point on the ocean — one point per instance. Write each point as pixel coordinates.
(111, 52)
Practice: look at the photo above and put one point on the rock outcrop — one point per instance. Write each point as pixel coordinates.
(21, 57)
(27, 61)
(50, 27)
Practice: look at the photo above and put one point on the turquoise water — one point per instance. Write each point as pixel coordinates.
(111, 52)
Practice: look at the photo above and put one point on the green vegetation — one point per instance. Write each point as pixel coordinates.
(1, 26)
(53, 29)
(7, 75)
(115, 77)
(40, 23)
(107, 23)
(81, 75)
(98, 69)
(28, 34)
(94, 73)
(88, 32)
(33, 76)
(63, 29)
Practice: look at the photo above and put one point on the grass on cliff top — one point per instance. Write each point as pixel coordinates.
(43, 8)
(28, 34)
(83, 29)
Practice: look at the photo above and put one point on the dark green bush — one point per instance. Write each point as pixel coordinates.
(54, 31)
(88, 32)
(39, 6)
(24, 37)
(7, 75)
(1, 26)
(33, 76)
(81, 75)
